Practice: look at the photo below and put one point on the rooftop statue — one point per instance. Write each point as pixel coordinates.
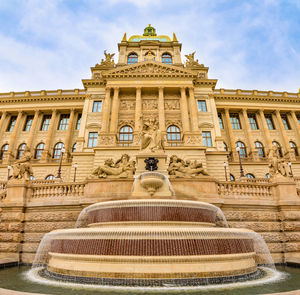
(22, 168)
(108, 59)
(181, 168)
(277, 165)
(122, 168)
(191, 60)
(151, 137)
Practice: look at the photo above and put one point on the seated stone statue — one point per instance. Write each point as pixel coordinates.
(22, 168)
(122, 168)
(151, 137)
(181, 168)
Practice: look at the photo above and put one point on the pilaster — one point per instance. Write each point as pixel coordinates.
(33, 129)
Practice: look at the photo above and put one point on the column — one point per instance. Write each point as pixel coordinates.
(33, 128)
(69, 132)
(230, 135)
(184, 111)
(297, 126)
(283, 133)
(253, 151)
(114, 111)
(138, 109)
(161, 109)
(106, 110)
(265, 129)
(12, 139)
(2, 120)
(81, 133)
(193, 110)
(46, 153)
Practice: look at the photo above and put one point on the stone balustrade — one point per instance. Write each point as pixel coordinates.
(256, 93)
(246, 189)
(43, 93)
(57, 190)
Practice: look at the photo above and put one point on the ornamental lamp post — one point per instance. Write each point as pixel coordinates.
(291, 171)
(240, 160)
(8, 171)
(225, 170)
(75, 170)
(62, 151)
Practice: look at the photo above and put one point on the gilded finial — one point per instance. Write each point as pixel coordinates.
(124, 38)
(174, 38)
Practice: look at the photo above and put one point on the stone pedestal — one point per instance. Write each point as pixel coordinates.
(161, 165)
(16, 192)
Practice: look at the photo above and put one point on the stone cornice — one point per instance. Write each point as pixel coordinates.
(255, 95)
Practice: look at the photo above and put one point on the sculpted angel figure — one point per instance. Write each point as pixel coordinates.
(151, 137)
(191, 60)
(123, 168)
(108, 59)
(22, 168)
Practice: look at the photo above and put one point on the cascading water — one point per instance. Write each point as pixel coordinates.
(152, 243)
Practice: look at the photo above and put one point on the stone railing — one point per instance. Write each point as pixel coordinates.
(57, 190)
(43, 93)
(245, 189)
(256, 93)
(258, 180)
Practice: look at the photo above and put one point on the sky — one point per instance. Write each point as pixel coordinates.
(247, 44)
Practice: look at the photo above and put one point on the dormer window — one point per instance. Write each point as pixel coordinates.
(132, 59)
(166, 58)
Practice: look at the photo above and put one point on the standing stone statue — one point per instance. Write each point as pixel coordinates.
(151, 137)
(277, 165)
(22, 168)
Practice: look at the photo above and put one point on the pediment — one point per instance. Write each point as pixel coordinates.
(149, 69)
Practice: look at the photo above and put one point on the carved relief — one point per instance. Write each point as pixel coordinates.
(193, 140)
(126, 122)
(107, 140)
(127, 105)
(173, 104)
(150, 105)
(173, 122)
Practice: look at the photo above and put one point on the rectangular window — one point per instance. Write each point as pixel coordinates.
(220, 121)
(206, 137)
(285, 122)
(252, 121)
(298, 118)
(28, 123)
(78, 122)
(63, 122)
(97, 106)
(202, 106)
(269, 121)
(46, 122)
(235, 121)
(11, 124)
(92, 141)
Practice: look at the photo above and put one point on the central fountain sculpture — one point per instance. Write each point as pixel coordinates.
(152, 239)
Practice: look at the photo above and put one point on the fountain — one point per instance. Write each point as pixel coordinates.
(154, 242)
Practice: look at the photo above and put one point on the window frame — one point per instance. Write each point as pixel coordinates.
(20, 150)
(78, 122)
(126, 131)
(220, 119)
(27, 126)
(235, 121)
(207, 140)
(50, 177)
(243, 149)
(12, 123)
(46, 122)
(285, 122)
(279, 150)
(132, 58)
(250, 176)
(57, 150)
(269, 121)
(252, 121)
(173, 135)
(294, 148)
(38, 151)
(63, 122)
(260, 149)
(202, 107)
(166, 58)
(92, 141)
(97, 106)
(4, 150)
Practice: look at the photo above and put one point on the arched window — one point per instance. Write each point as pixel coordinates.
(4, 150)
(50, 177)
(32, 177)
(294, 148)
(57, 150)
(243, 152)
(38, 150)
(126, 136)
(260, 149)
(74, 147)
(225, 147)
(173, 135)
(279, 149)
(232, 178)
(267, 175)
(21, 150)
(166, 58)
(132, 58)
(250, 175)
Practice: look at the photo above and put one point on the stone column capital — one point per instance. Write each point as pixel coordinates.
(138, 87)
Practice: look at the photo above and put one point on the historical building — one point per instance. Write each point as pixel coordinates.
(217, 132)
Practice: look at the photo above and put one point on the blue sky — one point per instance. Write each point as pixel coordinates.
(51, 44)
